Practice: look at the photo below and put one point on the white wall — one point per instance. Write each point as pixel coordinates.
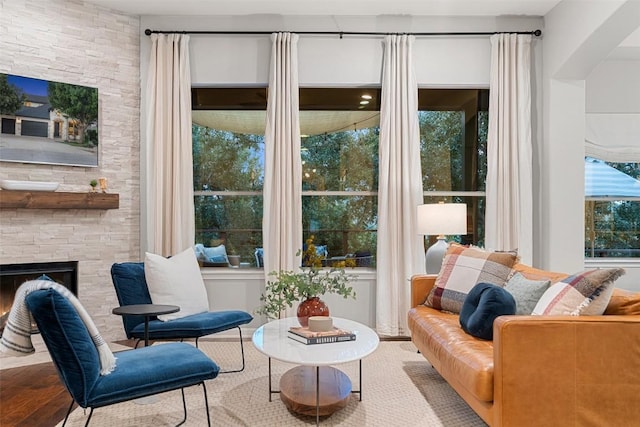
(233, 289)
(71, 42)
(613, 87)
(576, 40)
(329, 60)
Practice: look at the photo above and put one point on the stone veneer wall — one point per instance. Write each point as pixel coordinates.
(74, 42)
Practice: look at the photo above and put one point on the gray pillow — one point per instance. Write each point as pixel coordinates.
(526, 292)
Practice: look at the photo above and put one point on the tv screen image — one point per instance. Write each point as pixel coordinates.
(48, 122)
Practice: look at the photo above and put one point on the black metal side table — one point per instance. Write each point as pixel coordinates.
(147, 311)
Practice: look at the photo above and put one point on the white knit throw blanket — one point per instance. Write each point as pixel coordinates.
(16, 337)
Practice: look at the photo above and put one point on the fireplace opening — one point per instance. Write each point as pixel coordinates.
(14, 275)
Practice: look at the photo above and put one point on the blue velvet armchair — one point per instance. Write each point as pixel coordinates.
(138, 373)
(131, 287)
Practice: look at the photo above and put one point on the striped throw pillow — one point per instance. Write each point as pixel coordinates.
(462, 269)
(582, 294)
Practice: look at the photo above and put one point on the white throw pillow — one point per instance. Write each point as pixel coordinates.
(176, 281)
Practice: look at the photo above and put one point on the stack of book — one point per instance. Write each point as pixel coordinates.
(306, 336)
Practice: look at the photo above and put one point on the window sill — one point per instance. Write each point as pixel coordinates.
(254, 272)
(611, 262)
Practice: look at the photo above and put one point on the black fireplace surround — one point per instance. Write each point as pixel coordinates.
(14, 275)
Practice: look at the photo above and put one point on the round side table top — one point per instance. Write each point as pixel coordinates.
(272, 339)
(145, 309)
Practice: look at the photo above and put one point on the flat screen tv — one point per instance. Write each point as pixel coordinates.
(48, 122)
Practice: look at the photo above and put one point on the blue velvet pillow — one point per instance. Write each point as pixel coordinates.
(482, 305)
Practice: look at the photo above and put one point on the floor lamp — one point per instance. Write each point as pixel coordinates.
(440, 219)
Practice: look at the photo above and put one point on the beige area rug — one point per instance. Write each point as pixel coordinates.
(400, 388)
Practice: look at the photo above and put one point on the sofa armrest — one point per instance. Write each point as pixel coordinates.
(565, 370)
(421, 285)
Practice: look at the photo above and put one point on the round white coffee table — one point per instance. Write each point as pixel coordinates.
(315, 387)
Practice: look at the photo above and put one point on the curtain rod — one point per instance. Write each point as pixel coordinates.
(536, 33)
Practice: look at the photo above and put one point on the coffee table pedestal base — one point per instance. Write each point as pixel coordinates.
(298, 390)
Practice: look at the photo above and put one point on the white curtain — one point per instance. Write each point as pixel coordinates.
(400, 252)
(509, 212)
(282, 218)
(170, 211)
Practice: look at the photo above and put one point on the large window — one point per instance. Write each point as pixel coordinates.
(339, 150)
(340, 171)
(612, 209)
(453, 147)
(228, 168)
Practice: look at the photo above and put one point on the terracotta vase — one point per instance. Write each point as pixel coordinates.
(313, 306)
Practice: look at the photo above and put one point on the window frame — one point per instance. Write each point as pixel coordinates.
(202, 105)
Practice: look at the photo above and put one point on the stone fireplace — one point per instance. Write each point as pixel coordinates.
(14, 275)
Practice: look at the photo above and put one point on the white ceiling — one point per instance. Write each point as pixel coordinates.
(332, 7)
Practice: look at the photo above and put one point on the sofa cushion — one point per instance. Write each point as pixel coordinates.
(483, 304)
(462, 269)
(176, 281)
(456, 355)
(574, 294)
(526, 292)
(533, 273)
(624, 303)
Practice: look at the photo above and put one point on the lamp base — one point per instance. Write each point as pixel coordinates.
(435, 255)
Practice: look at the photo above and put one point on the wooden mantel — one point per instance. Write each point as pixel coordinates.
(12, 199)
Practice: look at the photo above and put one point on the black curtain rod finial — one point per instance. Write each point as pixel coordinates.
(147, 32)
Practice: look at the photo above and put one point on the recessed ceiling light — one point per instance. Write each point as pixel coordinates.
(366, 96)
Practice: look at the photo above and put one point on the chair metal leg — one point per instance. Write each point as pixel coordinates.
(66, 417)
(89, 418)
(206, 403)
(241, 350)
(184, 406)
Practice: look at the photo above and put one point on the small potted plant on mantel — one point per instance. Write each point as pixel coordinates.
(304, 287)
(93, 183)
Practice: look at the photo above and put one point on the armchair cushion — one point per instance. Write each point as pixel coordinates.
(194, 326)
(138, 373)
(211, 254)
(178, 281)
(68, 341)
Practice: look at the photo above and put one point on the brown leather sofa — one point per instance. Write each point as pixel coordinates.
(538, 370)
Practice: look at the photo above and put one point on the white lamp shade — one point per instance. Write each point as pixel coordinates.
(442, 218)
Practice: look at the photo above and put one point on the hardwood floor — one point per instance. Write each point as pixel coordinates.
(32, 396)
